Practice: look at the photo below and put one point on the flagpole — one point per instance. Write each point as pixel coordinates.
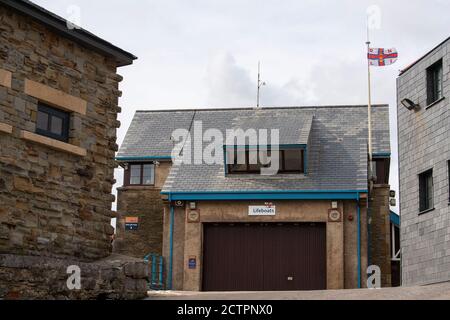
(369, 122)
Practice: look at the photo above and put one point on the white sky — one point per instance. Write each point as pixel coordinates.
(204, 53)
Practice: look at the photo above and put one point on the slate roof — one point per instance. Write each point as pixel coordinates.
(336, 138)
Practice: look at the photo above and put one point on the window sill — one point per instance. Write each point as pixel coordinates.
(52, 143)
(425, 211)
(5, 128)
(434, 103)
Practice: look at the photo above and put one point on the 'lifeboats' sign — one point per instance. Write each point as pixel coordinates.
(261, 210)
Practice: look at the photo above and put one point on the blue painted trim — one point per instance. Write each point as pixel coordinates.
(172, 222)
(381, 155)
(267, 195)
(358, 218)
(153, 269)
(144, 158)
(271, 191)
(395, 218)
(161, 271)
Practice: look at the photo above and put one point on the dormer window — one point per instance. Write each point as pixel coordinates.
(246, 160)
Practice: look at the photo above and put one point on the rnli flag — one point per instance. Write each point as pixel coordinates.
(382, 57)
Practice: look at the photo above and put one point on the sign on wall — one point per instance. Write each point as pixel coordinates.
(131, 223)
(192, 262)
(267, 210)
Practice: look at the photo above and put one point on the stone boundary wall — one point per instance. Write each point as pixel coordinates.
(31, 277)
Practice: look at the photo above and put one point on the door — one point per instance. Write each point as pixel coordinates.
(264, 256)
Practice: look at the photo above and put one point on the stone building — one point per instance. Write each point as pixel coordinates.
(59, 92)
(221, 225)
(424, 164)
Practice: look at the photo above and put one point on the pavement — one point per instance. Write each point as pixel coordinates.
(439, 291)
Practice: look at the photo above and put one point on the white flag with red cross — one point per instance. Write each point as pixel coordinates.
(382, 57)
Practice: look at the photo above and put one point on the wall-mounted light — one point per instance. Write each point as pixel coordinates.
(408, 104)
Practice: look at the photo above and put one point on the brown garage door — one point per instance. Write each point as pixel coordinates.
(264, 257)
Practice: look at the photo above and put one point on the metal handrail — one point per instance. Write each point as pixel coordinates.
(156, 270)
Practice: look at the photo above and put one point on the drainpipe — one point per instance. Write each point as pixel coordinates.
(172, 221)
(358, 221)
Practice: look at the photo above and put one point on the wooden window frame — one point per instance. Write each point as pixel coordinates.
(127, 174)
(54, 113)
(381, 167)
(282, 162)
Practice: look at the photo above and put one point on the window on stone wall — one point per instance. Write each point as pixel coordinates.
(52, 123)
(140, 174)
(380, 167)
(426, 191)
(434, 82)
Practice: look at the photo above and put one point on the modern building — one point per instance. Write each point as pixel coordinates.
(224, 225)
(59, 92)
(424, 163)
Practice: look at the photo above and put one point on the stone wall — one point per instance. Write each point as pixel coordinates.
(380, 232)
(144, 202)
(424, 137)
(33, 277)
(55, 198)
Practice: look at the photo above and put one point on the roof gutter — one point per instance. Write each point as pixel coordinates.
(266, 195)
(147, 158)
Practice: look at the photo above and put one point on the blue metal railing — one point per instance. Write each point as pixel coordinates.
(156, 270)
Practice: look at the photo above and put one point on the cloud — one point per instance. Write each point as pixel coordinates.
(323, 82)
(228, 84)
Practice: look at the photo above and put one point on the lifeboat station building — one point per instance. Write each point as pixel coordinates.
(317, 223)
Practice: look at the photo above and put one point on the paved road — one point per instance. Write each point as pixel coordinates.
(431, 292)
